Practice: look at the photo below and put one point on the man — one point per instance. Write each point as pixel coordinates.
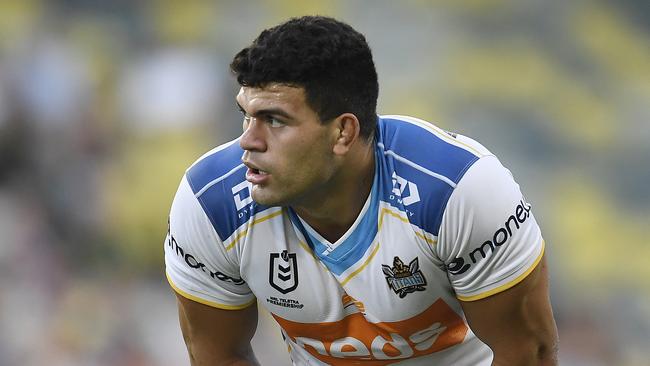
(371, 240)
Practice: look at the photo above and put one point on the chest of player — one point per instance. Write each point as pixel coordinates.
(394, 293)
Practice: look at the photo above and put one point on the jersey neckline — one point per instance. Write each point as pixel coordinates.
(341, 254)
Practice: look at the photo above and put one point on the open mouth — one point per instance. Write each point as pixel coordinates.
(257, 176)
(258, 171)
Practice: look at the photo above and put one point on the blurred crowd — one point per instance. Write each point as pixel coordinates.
(103, 104)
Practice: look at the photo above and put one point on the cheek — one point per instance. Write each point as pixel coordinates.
(300, 169)
(297, 168)
(302, 161)
(313, 167)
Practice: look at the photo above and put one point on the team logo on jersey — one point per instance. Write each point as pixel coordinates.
(283, 271)
(242, 195)
(405, 189)
(404, 279)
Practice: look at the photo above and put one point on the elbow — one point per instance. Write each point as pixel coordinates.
(547, 352)
(190, 349)
(545, 347)
(534, 352)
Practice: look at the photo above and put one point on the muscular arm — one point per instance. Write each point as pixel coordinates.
(217, 337)
(517, 324)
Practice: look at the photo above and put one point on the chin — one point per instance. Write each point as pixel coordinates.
(263, 197)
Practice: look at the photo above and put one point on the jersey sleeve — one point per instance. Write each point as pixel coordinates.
(489, 239)
(198, 266)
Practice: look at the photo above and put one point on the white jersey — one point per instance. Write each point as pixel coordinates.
(444, 221)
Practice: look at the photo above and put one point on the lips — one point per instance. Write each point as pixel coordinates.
(256, 175)
(258, 171)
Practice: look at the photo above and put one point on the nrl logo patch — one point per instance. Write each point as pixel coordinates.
(283, 271)
(404, 279)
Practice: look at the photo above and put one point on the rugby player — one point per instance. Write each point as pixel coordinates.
(371, 240)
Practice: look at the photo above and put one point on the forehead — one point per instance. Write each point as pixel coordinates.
(272, 95)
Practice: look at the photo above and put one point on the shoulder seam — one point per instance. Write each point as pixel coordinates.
(447, 197)
(217, 180)
(436, 131)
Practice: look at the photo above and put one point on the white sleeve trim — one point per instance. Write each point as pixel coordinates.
(197, 264)
(489, 239)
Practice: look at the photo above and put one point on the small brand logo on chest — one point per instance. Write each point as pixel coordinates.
(404, 279)
(283, 271)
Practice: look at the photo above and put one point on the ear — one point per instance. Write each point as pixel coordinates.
(347, 133)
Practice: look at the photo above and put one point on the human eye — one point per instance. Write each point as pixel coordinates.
(274, 122)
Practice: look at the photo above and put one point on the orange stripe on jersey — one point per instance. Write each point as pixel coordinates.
(348, 300)
(355, 339)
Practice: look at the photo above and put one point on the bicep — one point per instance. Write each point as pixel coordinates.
(216, 335)
(517, 324)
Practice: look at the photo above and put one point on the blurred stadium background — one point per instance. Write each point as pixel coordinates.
(103, 104)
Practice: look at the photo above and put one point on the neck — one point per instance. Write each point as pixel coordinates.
(333, 211)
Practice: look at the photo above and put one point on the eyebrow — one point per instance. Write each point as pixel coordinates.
(267, 111)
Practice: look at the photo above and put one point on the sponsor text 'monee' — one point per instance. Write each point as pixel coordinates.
(191, 261)
(460, 265)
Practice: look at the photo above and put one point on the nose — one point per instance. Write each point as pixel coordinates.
(252, 139)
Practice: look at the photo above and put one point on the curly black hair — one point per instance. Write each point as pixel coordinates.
(328, 58)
